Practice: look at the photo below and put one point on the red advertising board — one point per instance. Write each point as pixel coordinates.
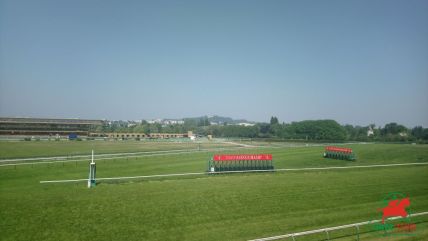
(338, 149)
(242, 157)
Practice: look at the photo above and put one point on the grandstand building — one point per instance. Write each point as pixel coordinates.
(48, 127)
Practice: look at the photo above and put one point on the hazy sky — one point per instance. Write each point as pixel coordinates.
(357, 62)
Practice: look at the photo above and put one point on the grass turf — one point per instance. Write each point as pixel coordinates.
(220, 207)
(22, 149)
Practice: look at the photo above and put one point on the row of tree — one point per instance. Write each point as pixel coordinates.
(303, 130)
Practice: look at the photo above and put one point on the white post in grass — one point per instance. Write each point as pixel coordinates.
(92, 172)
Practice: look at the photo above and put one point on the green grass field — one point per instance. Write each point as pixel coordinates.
(24, 149)
(205, 207)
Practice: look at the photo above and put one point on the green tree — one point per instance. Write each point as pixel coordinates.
(318, 130)
(264, 129)
(203, 121)
(418, 132)
(393, 129)
(190, 124)
(274, 120)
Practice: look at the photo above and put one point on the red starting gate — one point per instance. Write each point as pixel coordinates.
(240, 162)
(339, 153)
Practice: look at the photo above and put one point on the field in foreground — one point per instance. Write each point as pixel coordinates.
(220, 207)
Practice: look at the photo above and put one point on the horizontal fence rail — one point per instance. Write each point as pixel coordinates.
(247, 171)
(84, 158)
(326, 230)
(122, 154)
(159, 152)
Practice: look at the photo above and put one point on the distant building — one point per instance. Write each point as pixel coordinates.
(173, 122)
(155, 121)
(43, 126)
(403, 134)
(126, 135)
(370, 131)
(246, 124)
(166, 122)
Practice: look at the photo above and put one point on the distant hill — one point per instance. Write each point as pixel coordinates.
(220, 119)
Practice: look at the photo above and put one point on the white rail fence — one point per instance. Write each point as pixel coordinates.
(113, 156)
(248, 171)
(327, 230)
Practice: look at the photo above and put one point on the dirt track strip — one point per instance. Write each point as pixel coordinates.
(249, 171)
(326, 230)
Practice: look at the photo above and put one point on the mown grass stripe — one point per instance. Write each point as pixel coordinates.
(224, 172)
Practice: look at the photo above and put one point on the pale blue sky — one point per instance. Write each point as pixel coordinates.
(357, 62)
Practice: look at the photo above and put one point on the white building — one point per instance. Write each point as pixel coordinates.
(245, 124)
(166, 121)
(370, 131)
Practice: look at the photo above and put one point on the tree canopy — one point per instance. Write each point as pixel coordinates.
(311, 130)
